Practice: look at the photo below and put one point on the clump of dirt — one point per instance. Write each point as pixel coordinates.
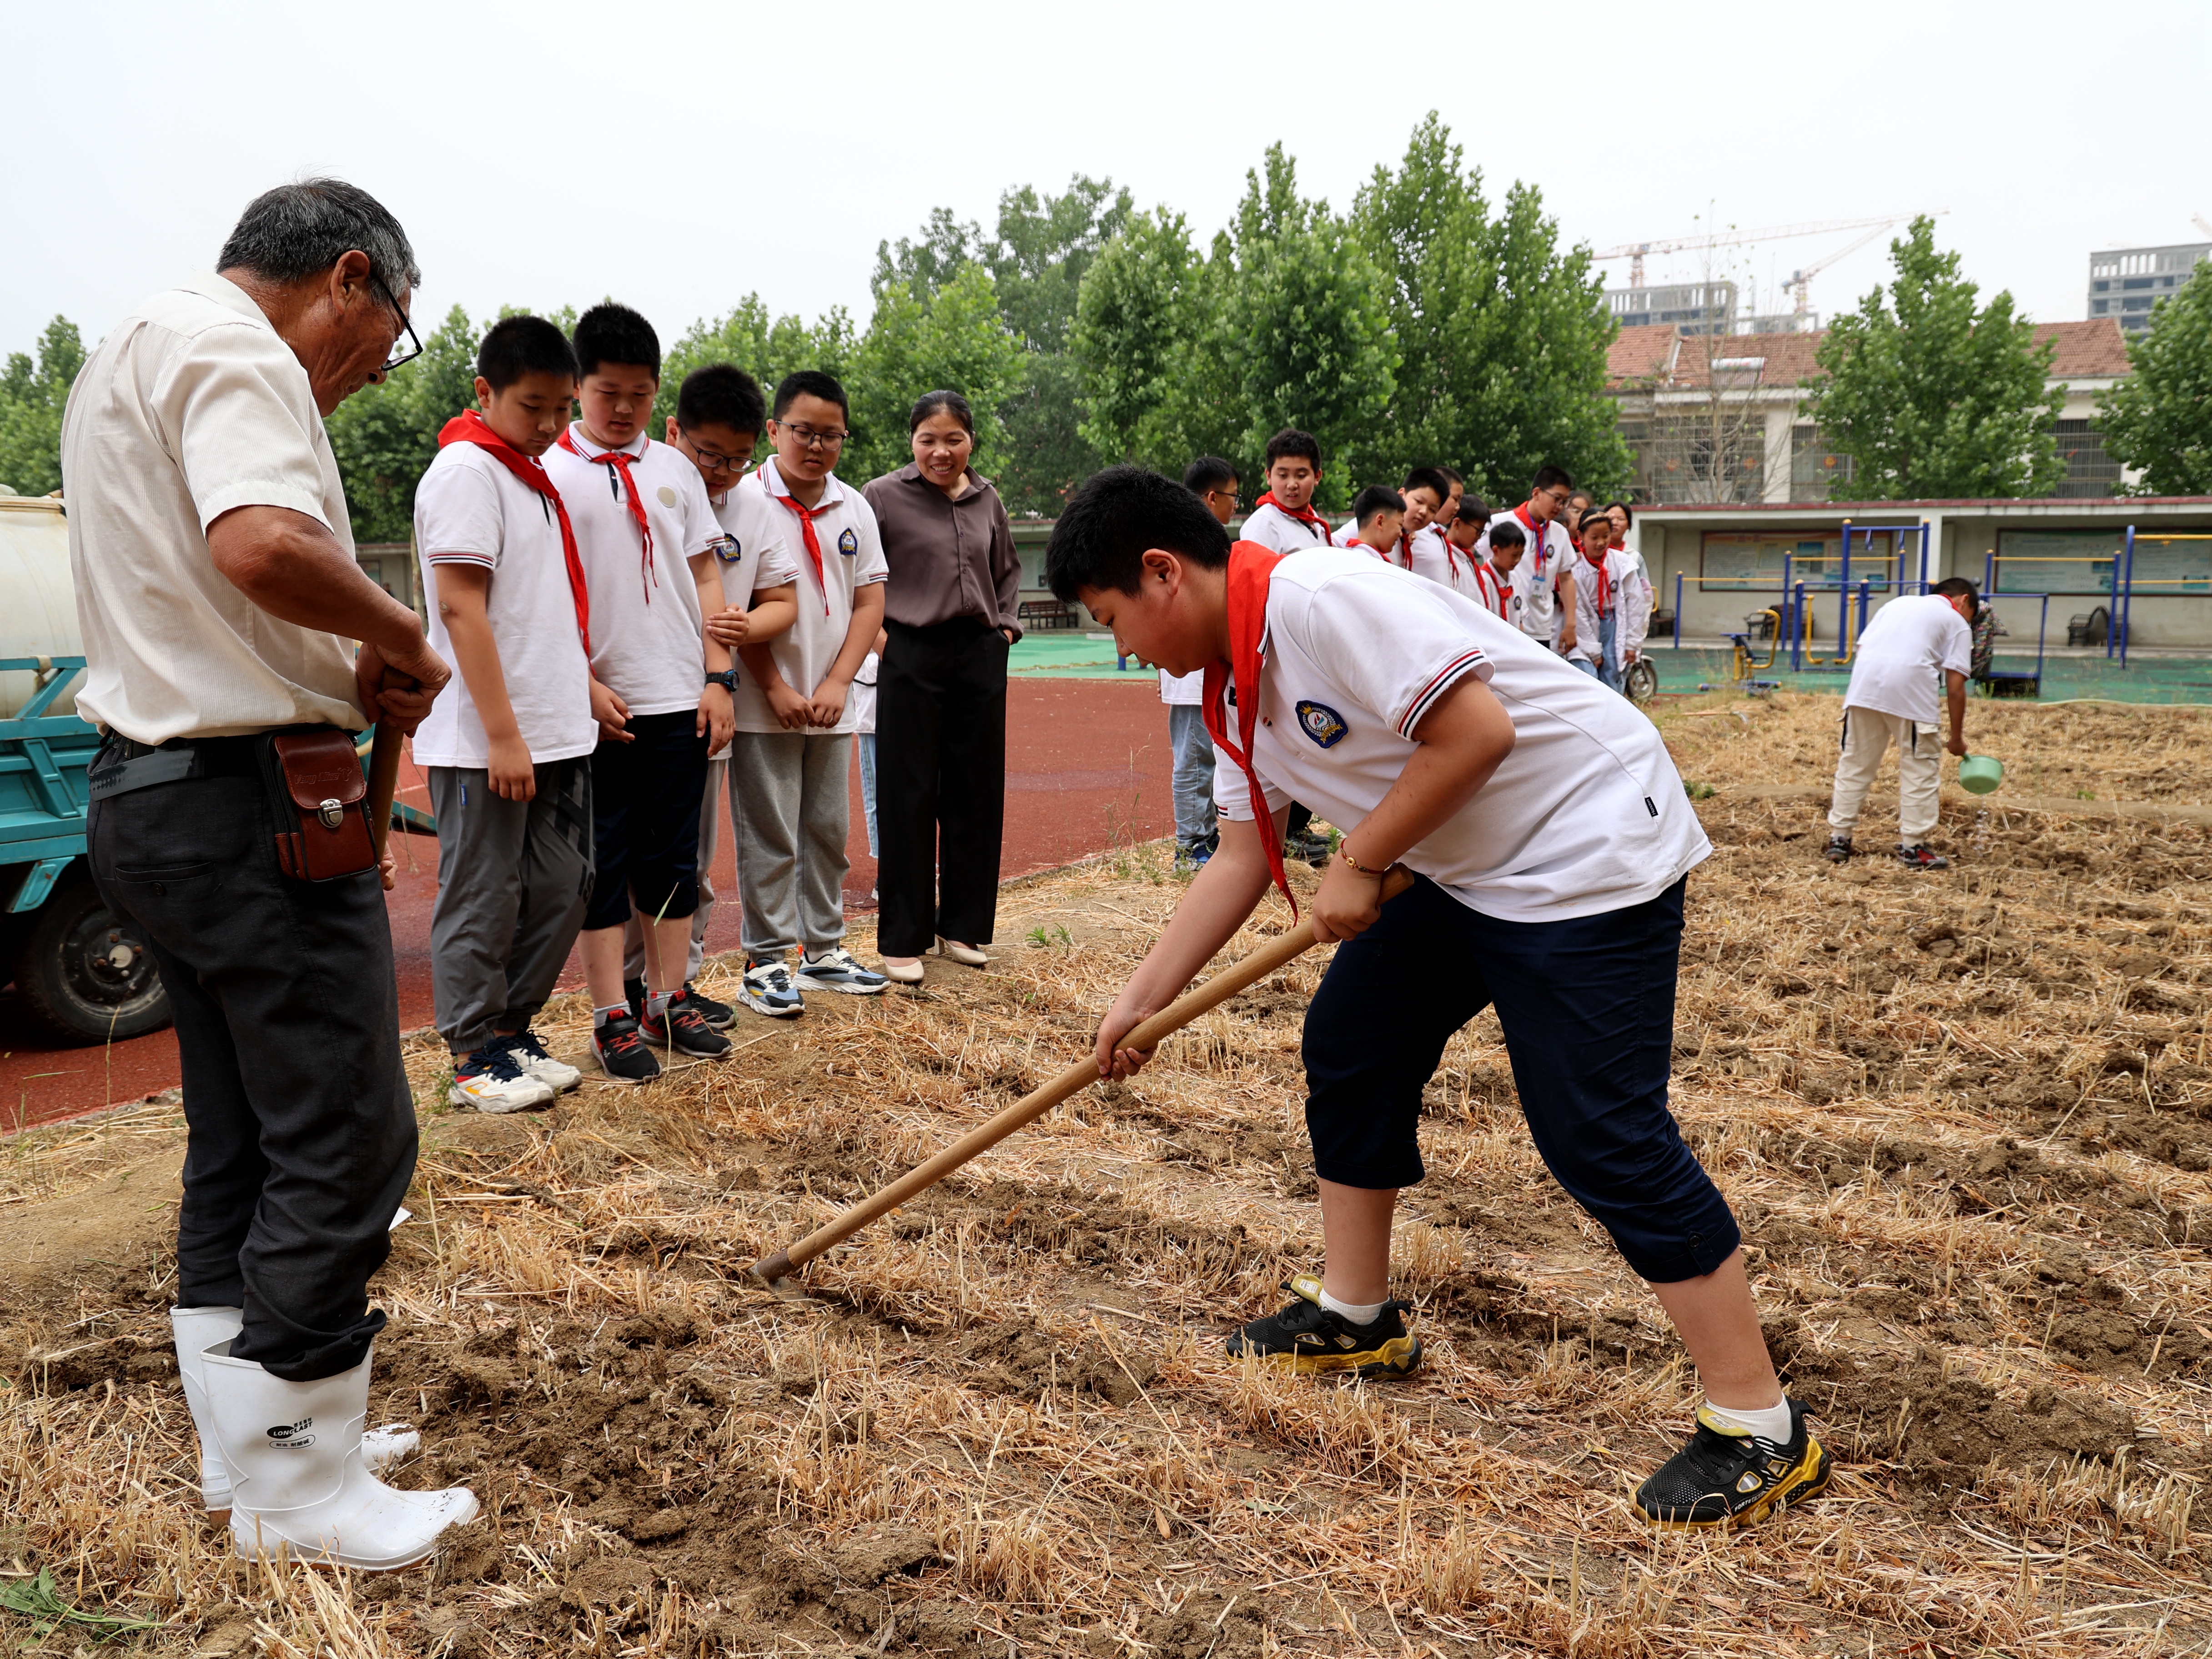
(1015, 1356)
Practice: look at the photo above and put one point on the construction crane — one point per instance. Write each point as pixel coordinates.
(2202, 223)
(1635, 252)
(1801, 279)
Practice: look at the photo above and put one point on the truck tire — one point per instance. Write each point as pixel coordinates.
(84, 976)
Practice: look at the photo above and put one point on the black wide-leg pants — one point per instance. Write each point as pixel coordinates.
(940, 783)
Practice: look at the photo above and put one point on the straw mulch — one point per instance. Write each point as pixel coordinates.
(1963, 1118)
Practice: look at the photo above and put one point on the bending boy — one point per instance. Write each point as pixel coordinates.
(1552, 839)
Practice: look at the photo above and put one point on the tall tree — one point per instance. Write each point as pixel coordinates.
(1929, 395)
(2159, 419)
(766, 347)
(31, 397)
(1302, 328)
(954, 339)
(1501, 333)
(386, 436)
(1137, 317)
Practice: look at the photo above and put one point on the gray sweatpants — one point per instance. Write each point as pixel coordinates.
(718, 772)
(791, 793)
(513, 879)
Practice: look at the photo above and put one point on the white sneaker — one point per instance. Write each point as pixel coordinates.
(199, 1330)
(300, 1488)
(835, 969)
(530, 1057)
(767, 989)
(491, 1081)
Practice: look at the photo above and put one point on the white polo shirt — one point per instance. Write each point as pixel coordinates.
(1902, 657)
(1272, 527)
(1182, 690)
(1623, 594)
(1542, 560)
(193, 405)
(1586, 815)
(648, 646)
(852, 558)
(750, 553)
(470, 510)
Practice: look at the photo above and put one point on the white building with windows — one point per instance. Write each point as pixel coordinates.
(2125, 282)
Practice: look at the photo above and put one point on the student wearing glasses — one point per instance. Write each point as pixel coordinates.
(792, 761)
(951, 608)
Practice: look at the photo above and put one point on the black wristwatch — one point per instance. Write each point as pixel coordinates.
(727, 679)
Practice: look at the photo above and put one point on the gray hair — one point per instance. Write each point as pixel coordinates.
(300, 229)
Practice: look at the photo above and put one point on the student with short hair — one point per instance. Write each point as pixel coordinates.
(1448, 514)
(1284, 517)
(1471, 572)
(1214, 482)
(507, 749)
(1546, 574)
(1612, 609)
(792, 762)
(1552, 842)
(1378, 523)
(720, 416)
(1579, 501)
(1507, 547)
(660, 690)
(1910, 644)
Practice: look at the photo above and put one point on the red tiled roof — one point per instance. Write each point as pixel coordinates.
(2092, 350)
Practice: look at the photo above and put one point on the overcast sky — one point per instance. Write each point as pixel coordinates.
(679, 155)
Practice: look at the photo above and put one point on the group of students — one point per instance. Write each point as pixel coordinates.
(1556, 567)
(637, 624)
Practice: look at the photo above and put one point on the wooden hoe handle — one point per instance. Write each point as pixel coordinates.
(383, 784)
(1076, 1078)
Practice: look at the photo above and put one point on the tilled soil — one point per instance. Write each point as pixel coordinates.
(1965, 1119)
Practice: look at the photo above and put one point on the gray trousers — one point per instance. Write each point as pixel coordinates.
(718, 772)
(300, 1130)
(513, 879)
(790, 792)
(1193, 778)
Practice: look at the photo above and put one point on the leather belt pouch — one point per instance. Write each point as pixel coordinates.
(318, 798)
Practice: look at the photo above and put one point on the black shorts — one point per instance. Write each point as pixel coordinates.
(645, 820)
(1587, 1007)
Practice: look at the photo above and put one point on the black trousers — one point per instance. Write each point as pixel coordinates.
(940, 783)
(300, 1128)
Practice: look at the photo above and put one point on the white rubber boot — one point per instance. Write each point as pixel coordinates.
(298, 1487)
(199, 1330)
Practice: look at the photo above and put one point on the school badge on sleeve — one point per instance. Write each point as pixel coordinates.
(1321, 723)
(847, 542)
(728, 550)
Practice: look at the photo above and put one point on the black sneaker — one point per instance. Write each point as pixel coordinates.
(1840, 849)
(1919, 857)
(1307, 1337)
(716, 1014)
(684, 1029)
(633, 994)
(1727, 1477)
(621, 1051)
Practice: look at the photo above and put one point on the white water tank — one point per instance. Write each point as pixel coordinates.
(38, 600)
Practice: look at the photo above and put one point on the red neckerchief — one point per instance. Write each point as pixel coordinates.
(1250, 565)
(1306, 515)
(807, 515)
(617, 460)
(1405, 550)
(1604, 581)
(1536, 536)
(468, 427)
(1492, 592)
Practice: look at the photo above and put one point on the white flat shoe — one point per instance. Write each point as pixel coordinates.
(908, 972)
(967, 956)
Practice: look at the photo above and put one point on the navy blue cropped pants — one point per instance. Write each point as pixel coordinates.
(1587, 1007)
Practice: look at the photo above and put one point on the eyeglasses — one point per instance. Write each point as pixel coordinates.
(1229, 496)
(812, 438)
(398, 356)
(710, 460)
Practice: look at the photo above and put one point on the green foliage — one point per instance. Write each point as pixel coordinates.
(955, 339)
(31, 397)
(386, 436)
(37, 1600)
(1501, 335)
(2160, 419)
(1931, 396)
(1138, 319)
(767, 347)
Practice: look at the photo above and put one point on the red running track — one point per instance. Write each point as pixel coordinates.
(1087, 765)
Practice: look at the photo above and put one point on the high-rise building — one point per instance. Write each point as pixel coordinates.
(1694, 307)
(2125, 282)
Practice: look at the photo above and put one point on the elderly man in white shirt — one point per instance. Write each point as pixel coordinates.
(219, 595)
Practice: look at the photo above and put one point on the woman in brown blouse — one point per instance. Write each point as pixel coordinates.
(949, 610)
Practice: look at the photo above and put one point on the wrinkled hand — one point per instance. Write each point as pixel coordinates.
(1113, 1060)
(1348, 905)
(510, 771)
(611, 712)
(717, 719)
(792, 711)
(827, 706)
(730, 628)
(397, 691)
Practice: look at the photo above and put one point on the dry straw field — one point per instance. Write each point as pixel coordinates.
(1964, 1118)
